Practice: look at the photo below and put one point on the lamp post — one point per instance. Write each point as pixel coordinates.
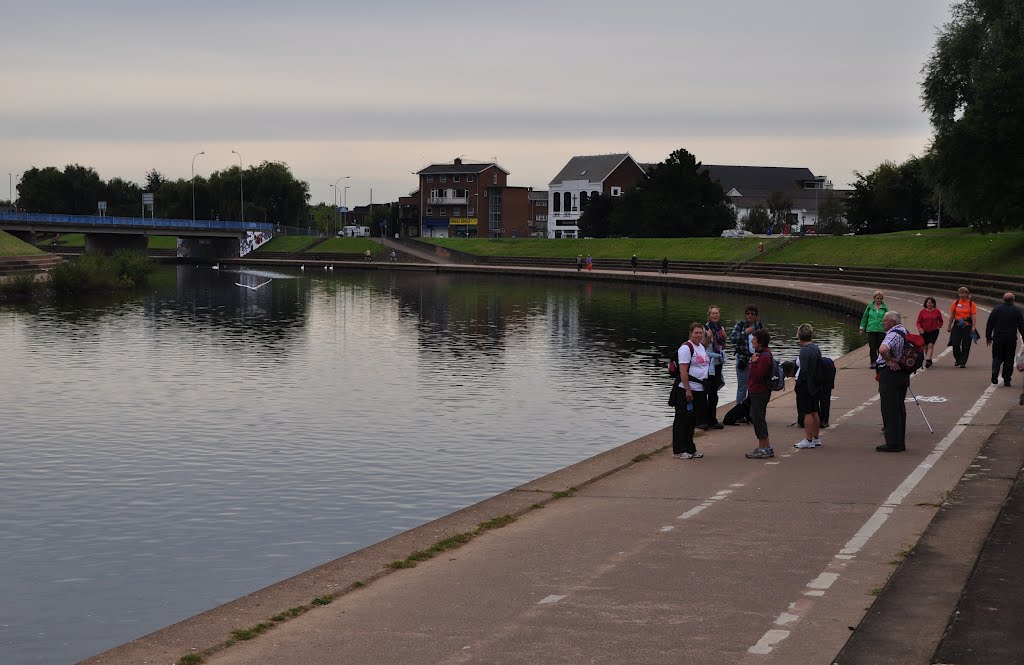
(344, 204)
(241, 189)
(335, 186)
(201, 152)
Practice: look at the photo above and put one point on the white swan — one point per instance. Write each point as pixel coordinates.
(332, 267)
(302, 267)
(216, 266)
(253, 288)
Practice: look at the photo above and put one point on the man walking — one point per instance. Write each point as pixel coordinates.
(893, 382)
(579, 262)
(1004, 323)
(633, 261)
(742, 338)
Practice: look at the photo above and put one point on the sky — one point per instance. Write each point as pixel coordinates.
(378, 90)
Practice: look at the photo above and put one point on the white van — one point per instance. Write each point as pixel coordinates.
(355, 231)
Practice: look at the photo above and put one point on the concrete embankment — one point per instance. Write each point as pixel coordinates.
(637, 557)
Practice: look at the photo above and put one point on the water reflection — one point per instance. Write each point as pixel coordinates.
(167, 451)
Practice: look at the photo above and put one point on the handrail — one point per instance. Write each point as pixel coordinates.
(89, 220)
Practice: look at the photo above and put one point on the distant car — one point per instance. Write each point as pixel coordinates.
(732, 233)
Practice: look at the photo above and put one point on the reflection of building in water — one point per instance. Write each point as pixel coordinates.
(563, 318)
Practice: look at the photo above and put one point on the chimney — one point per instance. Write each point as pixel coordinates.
(458, 161)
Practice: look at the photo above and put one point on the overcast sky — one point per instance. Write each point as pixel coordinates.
(378, 90)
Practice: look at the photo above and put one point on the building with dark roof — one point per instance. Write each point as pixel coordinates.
(453, 196)
(582, 178)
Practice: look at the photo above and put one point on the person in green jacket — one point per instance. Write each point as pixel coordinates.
(871, 323)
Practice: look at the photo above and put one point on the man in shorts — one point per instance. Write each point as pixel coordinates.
(808, 386)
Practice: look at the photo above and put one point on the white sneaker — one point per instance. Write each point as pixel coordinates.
(683, 456)
(816, 441)
(804, 443)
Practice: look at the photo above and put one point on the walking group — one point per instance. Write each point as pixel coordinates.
(894, 352)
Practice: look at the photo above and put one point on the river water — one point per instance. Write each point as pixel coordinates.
(169, 450)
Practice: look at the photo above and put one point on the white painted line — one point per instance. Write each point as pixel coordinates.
(847, 557)
(771, 463)
(814, 593)
(768, 641)
(785, 618)
(550, 599)
(666, 529)
(823, 581)
(692, 511)
(736, 485)
(868, 529)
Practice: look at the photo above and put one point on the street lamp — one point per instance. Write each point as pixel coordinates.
(335, 186)
(202, 152)
(241, 188)
(344, 204)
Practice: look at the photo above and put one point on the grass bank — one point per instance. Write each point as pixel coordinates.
(345, 246)
(11, 246)
(78, 240)
(676, 249)
(285, 244)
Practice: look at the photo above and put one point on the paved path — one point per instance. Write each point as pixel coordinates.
(719, 560)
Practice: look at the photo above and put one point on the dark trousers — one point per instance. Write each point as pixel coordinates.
(960, 340)
(711, 409)
(824, 407)
(892, 393)
(1003, 347)
(686, 421)
(874, 341)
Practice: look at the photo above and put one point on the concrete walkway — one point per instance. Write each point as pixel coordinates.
(658, 560)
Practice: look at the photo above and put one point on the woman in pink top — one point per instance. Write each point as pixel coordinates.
(929, 322)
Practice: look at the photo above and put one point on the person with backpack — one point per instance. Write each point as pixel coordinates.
(808, 387)
(714, 342)
(758, 392)
(743, 342)
(961, 328)
(828, 382)
(893, 381)
(694, 364)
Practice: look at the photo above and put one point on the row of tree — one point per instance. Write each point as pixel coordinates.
(271, 193)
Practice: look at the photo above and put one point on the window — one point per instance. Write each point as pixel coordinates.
(469, 212)
(430, 178)
(556, 201)
(583, 200)
(567, 201)
(444, 211)
(430, 212)
(594, 195)
(494, 179)
(469, 178)
(455, 178)
(460, 193)
(616, 191)
(455, 212)
(442, 178)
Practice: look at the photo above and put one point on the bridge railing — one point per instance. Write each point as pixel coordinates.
(137, 222)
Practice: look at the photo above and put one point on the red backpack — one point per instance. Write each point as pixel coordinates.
(912, 358)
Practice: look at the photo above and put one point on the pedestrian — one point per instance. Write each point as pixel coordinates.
(743, 341)
(759, 393)
(929, 323)
(962, 327)
(693, 372)
(1004, 323)
(633, 261)
(590, 262)
(394, 256)
(664, 266)
(808, 386)
(714, 342)
(893, 382)
(871, 323)
(367, 256)
(579, 262)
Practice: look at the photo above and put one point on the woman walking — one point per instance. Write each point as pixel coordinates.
(759, 393)
(929, 323)
(693, 372)
(871, 323)
(961, 326)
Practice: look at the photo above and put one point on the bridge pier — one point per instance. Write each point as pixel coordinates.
(108, 243)
(208, 248)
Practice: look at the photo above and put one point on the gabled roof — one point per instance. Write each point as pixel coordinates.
(458, 168)
(592, 168)
(537, 195)
(759, 180)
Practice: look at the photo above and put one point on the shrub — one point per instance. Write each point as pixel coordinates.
(20, 285)
(93, 272)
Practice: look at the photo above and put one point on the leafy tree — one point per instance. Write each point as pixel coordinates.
(973, 89)
(596, 220)
(124, 199)
(831, 215)
(153, 180)
(780, 207)
(74, 191)
(757, 220)
(675, 199)
(890, 198)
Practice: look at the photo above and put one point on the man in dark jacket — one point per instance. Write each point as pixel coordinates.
(1004, 323)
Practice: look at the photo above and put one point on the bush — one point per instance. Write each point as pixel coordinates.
(93, 272)
(20, 285)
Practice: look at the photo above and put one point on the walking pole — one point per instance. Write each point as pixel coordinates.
(916, 401)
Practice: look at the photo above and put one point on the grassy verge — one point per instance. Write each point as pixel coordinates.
(11, 246)
(286, 244)
(676, 249)
(162, 242)
(345, 246)
(935, 249)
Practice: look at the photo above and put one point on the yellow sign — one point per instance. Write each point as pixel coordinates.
(462, 221)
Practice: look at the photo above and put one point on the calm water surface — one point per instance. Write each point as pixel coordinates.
(168, 451)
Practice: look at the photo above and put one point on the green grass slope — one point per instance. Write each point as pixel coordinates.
(345, 246)
(676, 249)
(11, 246)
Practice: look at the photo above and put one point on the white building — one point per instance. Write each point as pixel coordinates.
(582, 178)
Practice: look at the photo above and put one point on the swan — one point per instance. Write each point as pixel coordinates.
(216, 266)
(253, 288)
(332, 267)
(302, 267)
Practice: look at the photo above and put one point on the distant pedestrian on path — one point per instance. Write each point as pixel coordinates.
(759, 393)
(808, 386)
(871, 323)
(1004, 324)
(962, 326)
(579, 262)
(633, 261)
(664, 266)
(743, 341)
(590, 263)
(893, 382)
(929, 323)
(693, 372)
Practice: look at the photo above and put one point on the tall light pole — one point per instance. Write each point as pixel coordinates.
(344, 204)
(241, 188)
(202, 152)
(335, 186)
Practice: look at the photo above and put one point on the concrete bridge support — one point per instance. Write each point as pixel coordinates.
(208, 248)
(108, 243)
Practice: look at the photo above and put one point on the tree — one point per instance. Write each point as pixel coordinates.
(596, 220)
(780, 207)
(893, 197)
(973, 90)
(153, 180)
(831, 215)
(675, 199)
(757, 220)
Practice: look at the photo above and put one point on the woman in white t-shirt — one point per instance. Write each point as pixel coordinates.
(694, 364)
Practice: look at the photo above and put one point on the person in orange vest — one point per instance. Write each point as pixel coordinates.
(961, 326)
